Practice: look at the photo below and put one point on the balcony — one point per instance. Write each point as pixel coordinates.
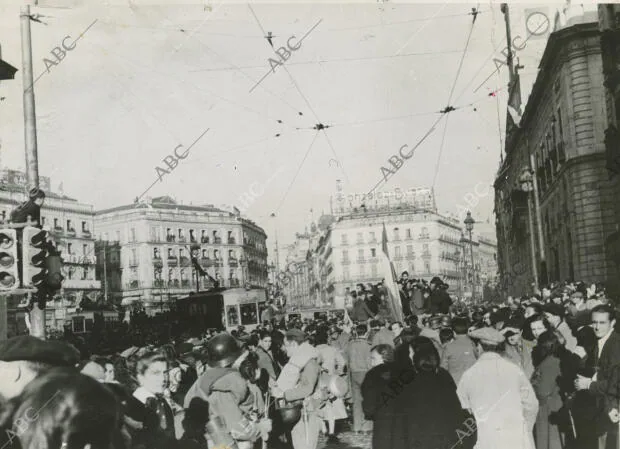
(426, 254)
(344, 243)
(205, 262)
(58, 230)
(185, 283)
(133, 263)
(232, 262)
(232, 241)
(170, 238)
(217, 240)
(358, 260)
(157, 262)
(173, 261)
(159, 283)
(71, 232)
(424, 237)
(86, 233)
(132, 285)
(192, 239)
(182, 239)
(204, 239)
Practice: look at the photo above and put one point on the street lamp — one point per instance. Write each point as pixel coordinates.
(469, 226)
(527, 185)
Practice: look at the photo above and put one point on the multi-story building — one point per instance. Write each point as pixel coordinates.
(421, 242)
(562, 131)
(71, 225)
(156, 239)
(609, 25)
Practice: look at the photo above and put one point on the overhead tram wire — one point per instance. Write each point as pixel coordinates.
(263, 115)
(336, 60)
(297, 173)
(456, 78)
(250, 78)
(320, 125)
(381, 25)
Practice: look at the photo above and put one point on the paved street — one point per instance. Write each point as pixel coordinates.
(347, 440)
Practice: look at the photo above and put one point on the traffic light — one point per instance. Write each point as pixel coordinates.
(54, 277)
(9, 274)
(34, 254)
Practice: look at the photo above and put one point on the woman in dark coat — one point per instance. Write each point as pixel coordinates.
(433, 412)
(380, 389)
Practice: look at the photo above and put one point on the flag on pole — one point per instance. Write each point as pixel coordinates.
(393, 294)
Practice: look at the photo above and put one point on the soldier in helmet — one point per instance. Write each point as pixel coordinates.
(226, 391)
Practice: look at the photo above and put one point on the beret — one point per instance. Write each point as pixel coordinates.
(33, 349)
(295, 333)
(487, 335)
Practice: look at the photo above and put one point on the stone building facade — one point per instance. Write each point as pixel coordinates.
(563, 127)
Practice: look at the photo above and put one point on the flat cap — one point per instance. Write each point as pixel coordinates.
(295, 333)
(487, 335)
(33, 349)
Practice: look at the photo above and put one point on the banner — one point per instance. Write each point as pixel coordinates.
(391, 286)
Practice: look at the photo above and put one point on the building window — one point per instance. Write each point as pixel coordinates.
(346, 274)
(408, 233)
(170, 253)
(345, 255)
(84, 227)
(134, 256)
(424, 233)
(231, 253)
(85, 274)
(397, 251)
(396, 234)
(69, 228)
(425, 247)
(69, 248)
(133, 234)
(42, 218)
(216, 254)
(156, 253)
(205, 254)
(362, 270)
(85, 249)
(181, 250)
(373, 270)
(192, 237)
(427, 268)
(409, 250)
(344, 239)
(55, 223)
(360, 254)
(372, 236)
(373, 252)
(118, 236)
(360, 238)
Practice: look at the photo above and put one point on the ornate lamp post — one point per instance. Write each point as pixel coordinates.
(527, 185)
(469, 226)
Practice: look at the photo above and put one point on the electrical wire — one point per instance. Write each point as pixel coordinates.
(297, 173)
(458, 72)
(447, 16)
(368, 58)
(249, 77)
(305, 98)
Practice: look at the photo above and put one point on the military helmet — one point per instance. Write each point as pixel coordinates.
(222, 351)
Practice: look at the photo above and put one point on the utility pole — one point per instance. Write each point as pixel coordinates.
(105, 272)
(37, 316)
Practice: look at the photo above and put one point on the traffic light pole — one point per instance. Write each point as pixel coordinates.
(37, 316)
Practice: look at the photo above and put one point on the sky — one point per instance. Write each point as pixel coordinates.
(145, 78)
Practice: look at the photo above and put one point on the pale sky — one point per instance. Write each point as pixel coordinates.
(146, 78)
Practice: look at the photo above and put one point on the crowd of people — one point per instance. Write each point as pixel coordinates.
(539, 371)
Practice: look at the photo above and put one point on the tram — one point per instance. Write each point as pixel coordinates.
(223, 309)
